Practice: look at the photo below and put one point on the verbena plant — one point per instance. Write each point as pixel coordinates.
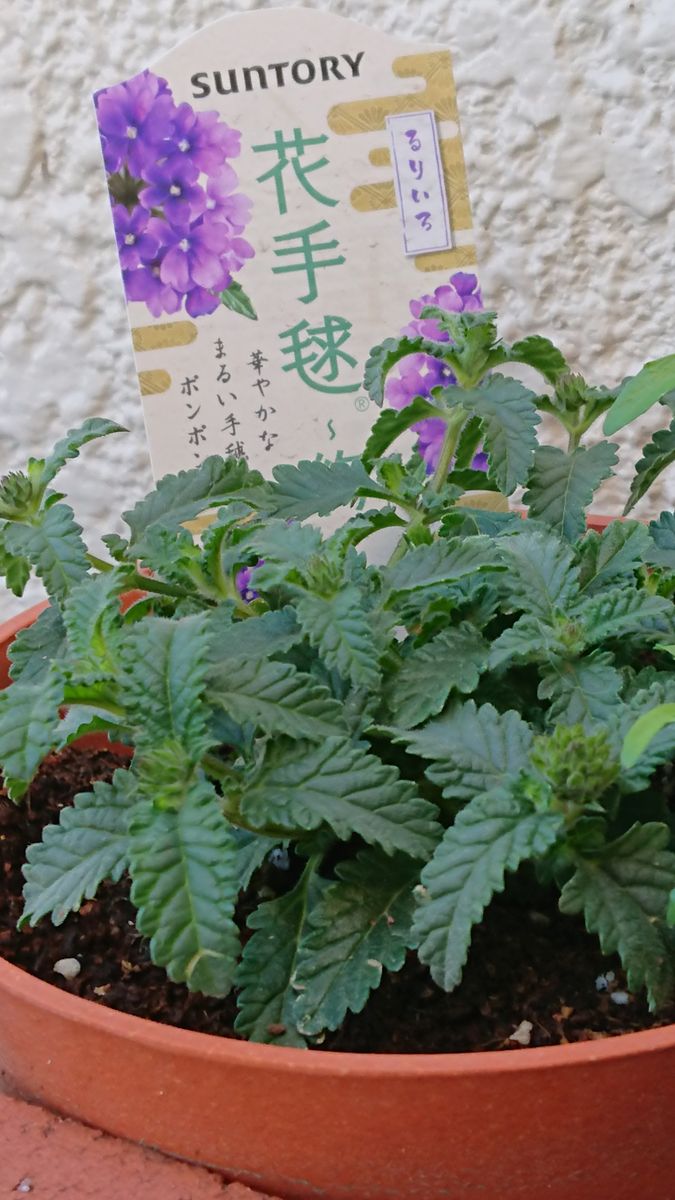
(407, 733)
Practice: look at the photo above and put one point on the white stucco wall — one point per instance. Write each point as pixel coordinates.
(568, 115)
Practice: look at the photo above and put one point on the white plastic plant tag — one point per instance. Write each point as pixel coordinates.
(253, 192)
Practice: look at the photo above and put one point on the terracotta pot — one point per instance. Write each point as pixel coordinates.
(573, 1122)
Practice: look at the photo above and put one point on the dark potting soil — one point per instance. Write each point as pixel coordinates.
(528, 963)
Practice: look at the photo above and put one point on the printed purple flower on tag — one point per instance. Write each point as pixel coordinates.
(417, 374)
(178, 216)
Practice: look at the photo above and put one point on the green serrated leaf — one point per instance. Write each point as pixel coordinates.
(472, 749)
(276, 697)
(69, 446)
(620, 611)
(180, 498)
(561, 486)
(88, 844)
(582, 691)
(529, 640)
(15, 568)
(252, 850)
(616, 553)
(451, 661)
(53, 546)
(643, 732)
(314, 488)
(184, 870)
(267, 968)
(234, 297)
(34, 648)
(656, 456)
(285, 546)
(662, 548)
(541, 577)
(385, 356)
(640, 392)
(300, 785)
(508, 412)
(495, 833)
(256, 637)
(341, 630)
(391, 423)
(540, 353)
(91, 615)
(442, 562)
(464, 521)
(166, 664)
(623, 893)
(360, 927)
(29, 715)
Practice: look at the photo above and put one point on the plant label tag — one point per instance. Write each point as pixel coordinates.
(258, 175)
(418, 177)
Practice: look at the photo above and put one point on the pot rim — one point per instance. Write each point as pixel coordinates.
(186, 1043)
(28, 989)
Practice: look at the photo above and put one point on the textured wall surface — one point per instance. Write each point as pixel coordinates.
(568, 115)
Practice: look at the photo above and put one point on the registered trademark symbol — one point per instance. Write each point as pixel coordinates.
(361, 403)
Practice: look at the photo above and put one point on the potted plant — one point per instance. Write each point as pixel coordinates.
(333, 768)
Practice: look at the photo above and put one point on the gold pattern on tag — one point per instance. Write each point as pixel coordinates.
(153, 382)
(162, 337)
(369, 116)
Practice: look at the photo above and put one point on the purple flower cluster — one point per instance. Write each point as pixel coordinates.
(178, 218)
(418, 374)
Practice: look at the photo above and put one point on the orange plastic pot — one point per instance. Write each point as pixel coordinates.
(574, 1122)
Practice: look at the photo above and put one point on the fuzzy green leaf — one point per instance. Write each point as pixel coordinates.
(662, 533)
(179, 498)
(302, 786)
(234, 297)
(472, 749)
(385, 356)
(639, 393)
(616, 553)
(166, 667)
(69, 446)
(285, 547)
(91, 616)
(622, 611)
(29, 715)
(34, 648)
(360, 927)
(88, 844)
(53, 546)
(342, 632)
(252, 850)
(495, 833)
(256, 637)
(267, 968)
(442, 562)
(656, 456)
(391, 423)
(623, 893)
(528, 640)
(15, 568)
(582, 691)
(184, 869)
(540, 353)
(509, 415)
(276, 697)
(453, 660)
(561, 486)
(541, 576)
(313, 488)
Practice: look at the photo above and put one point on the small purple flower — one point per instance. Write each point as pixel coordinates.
(136, 243)
(194, 256)
(145, 284)
(461, 294)
(224, 204)
(134, 119)
(431, 433)
(418, 374)
(174, 190)
(203, 139)
(243, 581)
(199, 302)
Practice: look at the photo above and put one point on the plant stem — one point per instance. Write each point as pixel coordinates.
(452, 432)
